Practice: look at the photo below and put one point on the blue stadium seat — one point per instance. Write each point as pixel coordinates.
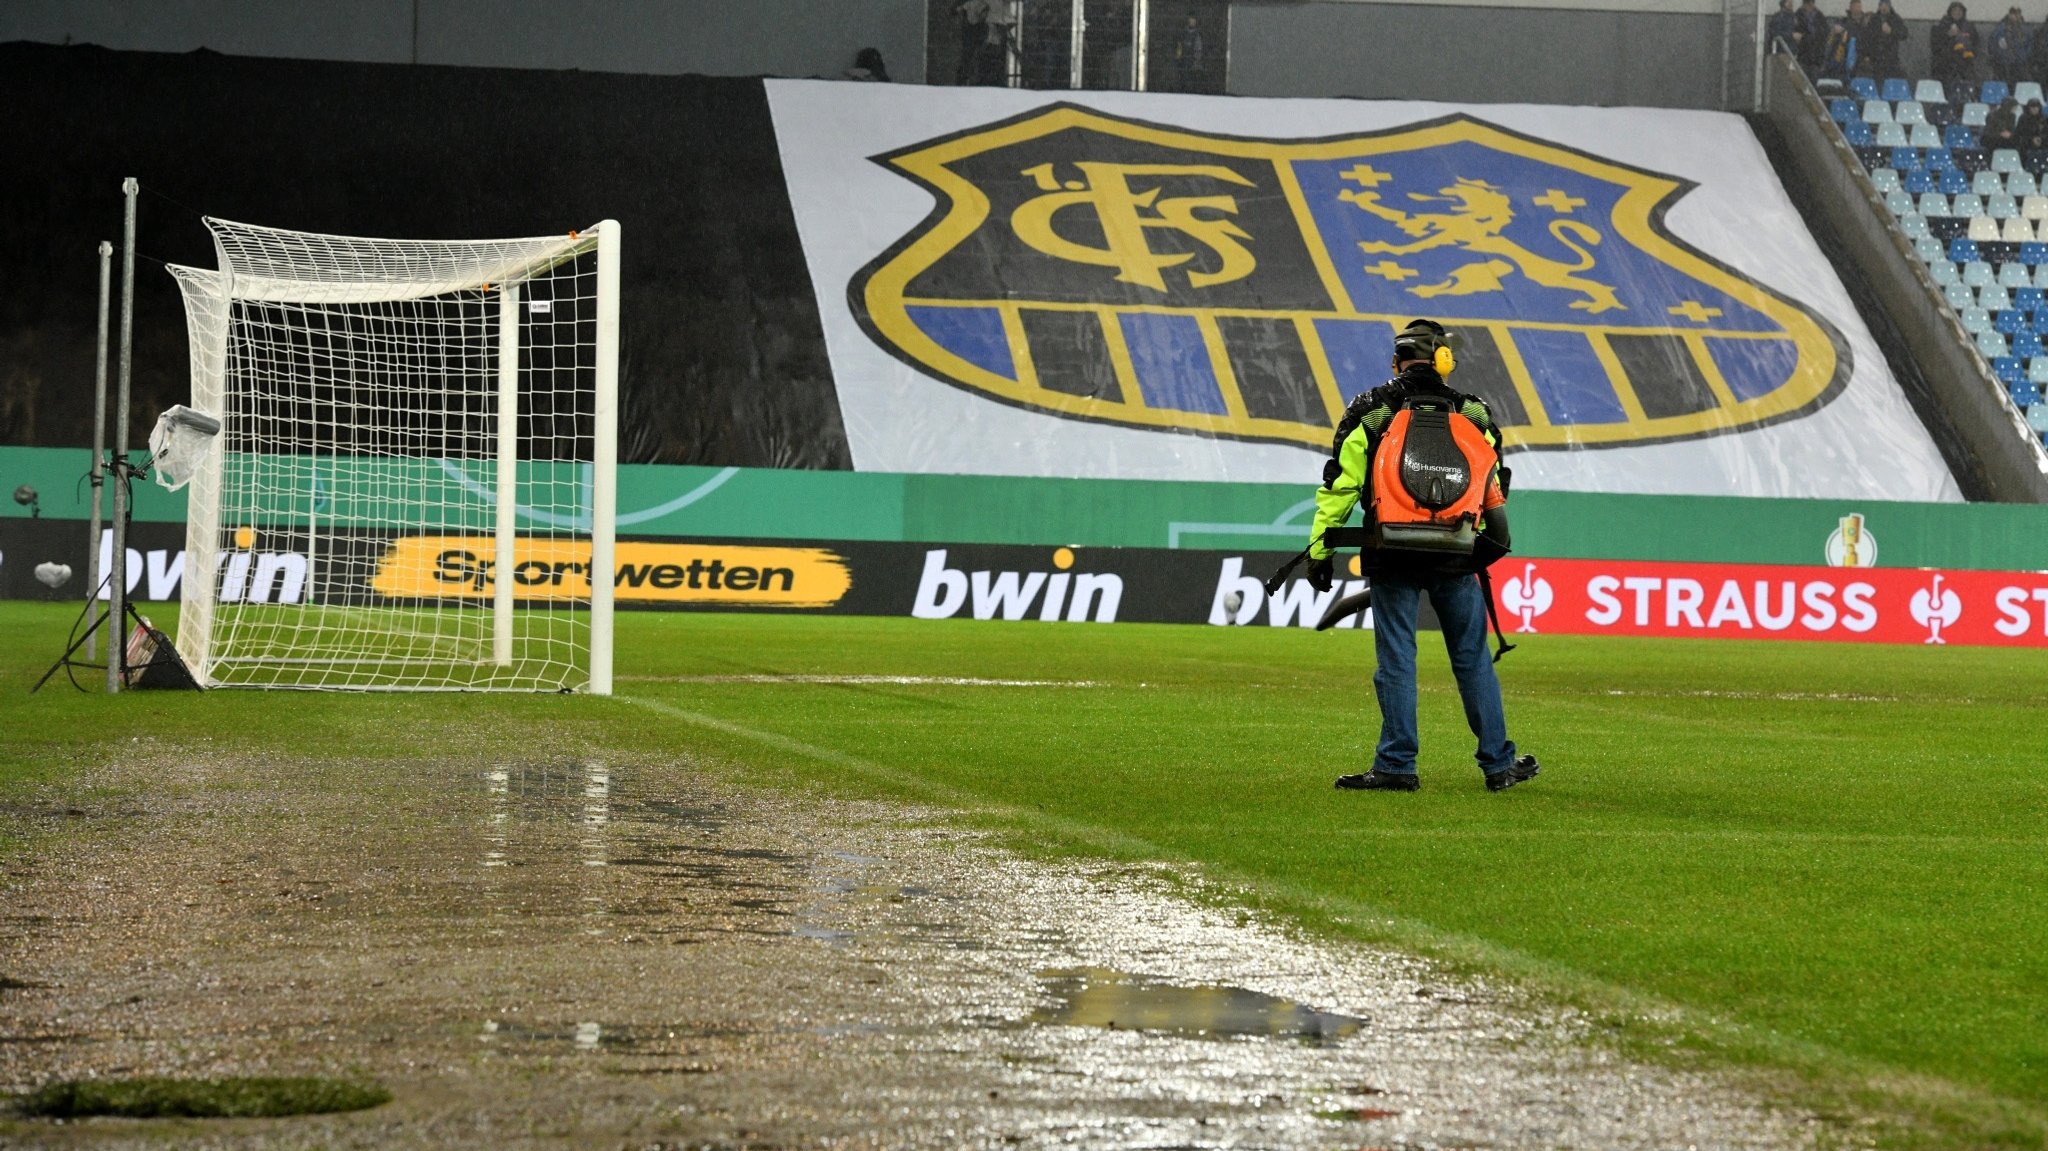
(2034, 254)
(1891, 136)
(1920, 182)
(1955, 182)
(1907, 159)
(1929, 136)
(2010, 369)
(1962, 251)
(1885, 180)
(2011, 321)
(1863, 88)
(1973, 115)
(1858, 134)
(1896, 89)
(1991, 344)
(1994, 92)
(2029, 299)
(2027, 344)
(2026, 394)
(1841, 110)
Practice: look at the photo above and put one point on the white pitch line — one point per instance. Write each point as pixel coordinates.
(889, 680)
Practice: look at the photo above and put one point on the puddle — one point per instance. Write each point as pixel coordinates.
(1098, 997)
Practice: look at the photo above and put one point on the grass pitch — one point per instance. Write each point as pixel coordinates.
(1826, 858)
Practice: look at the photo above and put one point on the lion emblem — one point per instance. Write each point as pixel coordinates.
(1480, 213)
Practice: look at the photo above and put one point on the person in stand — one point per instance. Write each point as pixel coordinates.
(1952, 46)
(2001, 126)
(973, 24)
(1400, 579)
(1188, 56)
(1855, 26)
(1840, 56)
(1879, 52)
(1784, 26)
(2009, 44)
(868, 65)
(1811, 45)
(2031, 132)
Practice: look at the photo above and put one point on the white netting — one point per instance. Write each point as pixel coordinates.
(401, 421)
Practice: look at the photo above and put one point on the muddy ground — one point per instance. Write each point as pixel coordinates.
(634, 956)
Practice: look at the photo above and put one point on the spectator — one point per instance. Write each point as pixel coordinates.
(1879, 55)
(973, 16)
(1784, 26)
(867, 65)
(995, 49)
(2001, 127)
(1952, 46)
(1840, 56)
(1187, 56)
(1811, 36)
(1856, 27)
(2032, 129)
(2009, 43)
(2037, 57)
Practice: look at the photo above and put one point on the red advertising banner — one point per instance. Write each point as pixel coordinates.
(1759, 601)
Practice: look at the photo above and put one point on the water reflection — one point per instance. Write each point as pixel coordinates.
(1098, 997)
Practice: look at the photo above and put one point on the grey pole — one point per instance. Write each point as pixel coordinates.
(99, 452)
(117, 600)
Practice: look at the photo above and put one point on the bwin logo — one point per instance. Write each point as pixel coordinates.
(1082, 596)
(246, 576)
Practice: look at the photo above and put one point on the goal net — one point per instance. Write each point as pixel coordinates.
(412, 487)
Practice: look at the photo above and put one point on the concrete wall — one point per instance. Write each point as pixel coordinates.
(711, 37)
(1470, 52)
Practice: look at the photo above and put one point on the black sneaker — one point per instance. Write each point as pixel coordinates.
(1378, 781)
(1525, 768)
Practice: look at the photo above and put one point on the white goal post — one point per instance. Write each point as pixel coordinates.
(414, 483)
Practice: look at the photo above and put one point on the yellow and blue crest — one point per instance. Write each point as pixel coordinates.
(1111, 270)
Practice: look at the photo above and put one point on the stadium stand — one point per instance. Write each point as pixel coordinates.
(1975, 215)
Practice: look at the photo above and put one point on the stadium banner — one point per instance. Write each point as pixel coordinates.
(1848, 602)
(1164, 286)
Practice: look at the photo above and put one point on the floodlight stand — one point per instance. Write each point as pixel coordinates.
(99, 449)
(117, 564)
(117, 650)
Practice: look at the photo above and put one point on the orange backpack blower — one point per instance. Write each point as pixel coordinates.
(1430, 473)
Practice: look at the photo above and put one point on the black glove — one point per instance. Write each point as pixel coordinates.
(1319, 573)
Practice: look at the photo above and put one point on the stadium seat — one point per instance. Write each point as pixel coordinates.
(2019, 185)
(1991, 344)
(1998, 252)
(2001, 207)
(1994, 92)
(1918, 182)
(2041, 276)
(2025, 393)
(1966, 205)
(2027, 344)
(2037, 369)
(1944, 273)
(1906, 159)
(2033, 254)
(1858, 134)
(1983, 229)
(2015, 275)
(1961, 91)
(1971, 160)
(1973, 114)
(1909, 112)
(1996, 299)
(1978, 274)
(1938, 159)
(1896, 88)
(1960, 298)
(1935, 204)
(1955, 182)
(2027, 91)
(1948, 228)
(1899, 203)
(1961, 251)
(2010, 369)
(1930, 250)
(1842, 110)
(1976, 320)
(1939, 115)
(2029, 300)
(1929, 136)
(2037, 418)
(1891, 136)
(2035, 161)
(1930, 92)
(1877, 112)
(1885, 180)
(1863, 88)
(1988, 184)
(2017, 230)
(2006, 160)
(1871, 156)
(1914, 225)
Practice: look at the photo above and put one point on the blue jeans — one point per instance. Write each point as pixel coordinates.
(1461, 608)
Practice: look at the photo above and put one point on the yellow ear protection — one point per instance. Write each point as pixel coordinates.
(1445, 361)
(1427, 337)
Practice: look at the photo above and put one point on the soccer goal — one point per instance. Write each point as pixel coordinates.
(413, 485)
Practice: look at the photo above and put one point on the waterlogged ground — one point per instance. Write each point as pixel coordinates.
(558, 954)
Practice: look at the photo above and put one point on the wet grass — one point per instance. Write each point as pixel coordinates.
(1824, 859)
(201, 1098)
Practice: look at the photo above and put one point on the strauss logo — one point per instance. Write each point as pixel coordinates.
(1936, 607)
(1527, 595)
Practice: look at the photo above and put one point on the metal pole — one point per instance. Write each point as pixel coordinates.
(117, 564)
(1727, 47)
(99, 451)
(1756, 101)
(1076, 44)
(1141, 19)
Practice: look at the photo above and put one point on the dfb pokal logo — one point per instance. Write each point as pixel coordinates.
(1110, 270)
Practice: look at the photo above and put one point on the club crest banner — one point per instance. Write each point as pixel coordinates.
(1077, 289)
